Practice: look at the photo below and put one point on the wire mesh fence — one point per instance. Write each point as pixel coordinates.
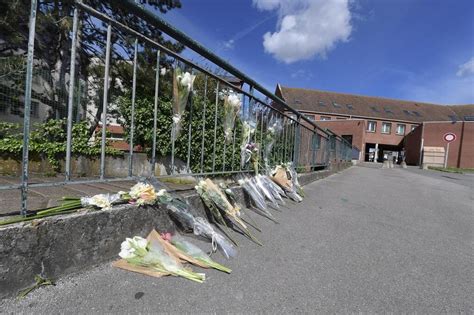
(109, 102)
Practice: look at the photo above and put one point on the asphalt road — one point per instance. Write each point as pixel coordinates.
(364, 240)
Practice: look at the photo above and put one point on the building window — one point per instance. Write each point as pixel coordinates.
(386, 127)
(321, 103)
(310, 117)
(371, 126)
(400, 129)
(336, 105)
(325, 118)
(349, 106)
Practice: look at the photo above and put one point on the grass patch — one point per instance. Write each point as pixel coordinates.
(451, 169)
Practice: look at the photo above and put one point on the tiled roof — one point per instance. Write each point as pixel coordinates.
(369, 106)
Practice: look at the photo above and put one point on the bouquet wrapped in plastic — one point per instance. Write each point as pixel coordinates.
(247, 147)
(198, 256)
(216, 200)
(256, 197)
(182, 87)
(294, 178)
(282, 176)
(179, 210)
(149, 254)
(265, 190)
(273, 131)
(276, 191)
(232, 105)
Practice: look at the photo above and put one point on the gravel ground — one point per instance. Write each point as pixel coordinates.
(364, 240)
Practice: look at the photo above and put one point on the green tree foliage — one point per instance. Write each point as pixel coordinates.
(49, 140)
(53, 43)
(143, 133)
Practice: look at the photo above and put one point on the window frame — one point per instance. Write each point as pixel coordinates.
(324, 118)
(368, 125)
(404, 129)
(389, 129)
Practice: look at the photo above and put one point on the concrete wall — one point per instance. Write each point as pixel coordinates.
(89, 166)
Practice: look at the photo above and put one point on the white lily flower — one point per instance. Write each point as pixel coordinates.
(186, 80)
(234, 100)
(161, 192)
(176, 118)
(126, 250)
(163, 71)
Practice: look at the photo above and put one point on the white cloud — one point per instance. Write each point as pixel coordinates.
(466, 69)
(306, 28)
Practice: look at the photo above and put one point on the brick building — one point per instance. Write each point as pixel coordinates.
(381, 128)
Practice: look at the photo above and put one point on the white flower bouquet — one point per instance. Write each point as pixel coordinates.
(273, 131)
(182, 87)
(232, 105)
(143, 194)
(149, 254)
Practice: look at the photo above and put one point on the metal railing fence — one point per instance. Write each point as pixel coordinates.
(141, 110)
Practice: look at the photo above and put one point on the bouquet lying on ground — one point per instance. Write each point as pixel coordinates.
(182, 87)
(275, 190)
(232, 105)
(216, 201)
(284, 178)
(294, 178)
(151, 256)
(256, 197)
(179, 210)
(262, 186)
(194, 254)
(233, 200)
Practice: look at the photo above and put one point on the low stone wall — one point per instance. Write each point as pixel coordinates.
(60, 245)
(83, 166)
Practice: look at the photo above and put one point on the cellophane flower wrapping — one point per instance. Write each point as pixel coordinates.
(282, 176)
(102, 201)
(265, 190)
(182, 87)
(179, 210)
(195, 252)
(139, 251)
(255, 195)
(277, 192)
(213, 196)
(247, 147)
(273, 131)
(232, 106)
(294, 178)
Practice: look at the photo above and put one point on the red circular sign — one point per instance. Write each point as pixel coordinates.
(449, 137)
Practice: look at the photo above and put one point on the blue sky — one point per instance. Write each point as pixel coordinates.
(419, 50)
